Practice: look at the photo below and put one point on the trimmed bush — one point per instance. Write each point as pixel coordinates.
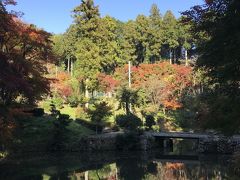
(73, 100)
(90, 125)
(150, 121)
(37, 112)
(80, 113)
(46, 105)
(58, 102)
(129, 122)
(59, 133)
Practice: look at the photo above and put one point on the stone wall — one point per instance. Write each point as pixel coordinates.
(221, 145)
(110, 143)
(95, 143)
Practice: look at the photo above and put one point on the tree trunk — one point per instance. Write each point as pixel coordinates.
(78, 176)
(164, 111)
(86, 175)
(68, 65)
(170, 56)
(95, 93)
(109, 94)
(71, 68)
(86, 93)
(129, 74)
(56, 71)
(174, 56)
(116, 177)
(127, 108)
(186, 57)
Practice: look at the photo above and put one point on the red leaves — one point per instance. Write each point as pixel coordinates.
(61, 85)
(107, 83)
(63, 76)
(23, 56)
(65, 91)
(209, 1)
(164, 82)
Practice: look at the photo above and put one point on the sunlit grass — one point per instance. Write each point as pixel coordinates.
(71, 111)
(38, 131)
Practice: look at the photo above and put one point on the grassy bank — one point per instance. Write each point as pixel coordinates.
(40, 133)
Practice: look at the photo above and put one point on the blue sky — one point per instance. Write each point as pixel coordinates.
(55, 15)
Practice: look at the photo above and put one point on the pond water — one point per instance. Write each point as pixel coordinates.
(158, 165)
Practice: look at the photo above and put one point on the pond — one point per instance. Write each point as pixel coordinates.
(157, 165)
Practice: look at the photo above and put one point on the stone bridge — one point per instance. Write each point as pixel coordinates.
(206, 143)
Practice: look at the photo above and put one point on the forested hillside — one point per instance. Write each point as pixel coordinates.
(156, 72)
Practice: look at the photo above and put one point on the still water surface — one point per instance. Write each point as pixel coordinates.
(116, 165)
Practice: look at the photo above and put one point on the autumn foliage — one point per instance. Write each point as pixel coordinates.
(61, 85)
(24, 52)
(107, 83)
(163, 82)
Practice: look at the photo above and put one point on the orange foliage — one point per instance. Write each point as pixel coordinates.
(107, 83)
(174, 166)
(61, 85)
(27, 49)
(165, 82)
(63, 76)
(172, 104)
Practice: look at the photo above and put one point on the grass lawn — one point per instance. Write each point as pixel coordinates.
(69, 111)
(37, 132)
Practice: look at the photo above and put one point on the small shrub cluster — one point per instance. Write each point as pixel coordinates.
(46, 105)
(73, 100)
(90, 125)
(150, 121)
(99, 113)
(37, 112)
(130, 122)
(81, 113)
(59, 130)
(58, 102)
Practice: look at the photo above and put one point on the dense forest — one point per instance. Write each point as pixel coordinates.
(156, 72)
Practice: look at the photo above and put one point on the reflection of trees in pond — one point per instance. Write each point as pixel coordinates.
(107, 172)
(60, 176)
(184, 146)
(181, 171)
(131, 169)
(206, 171)
(167, 171)
(128, 166)
(136, 169)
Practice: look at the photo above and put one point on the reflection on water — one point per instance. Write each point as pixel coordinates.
(113, 166)
(180, 162)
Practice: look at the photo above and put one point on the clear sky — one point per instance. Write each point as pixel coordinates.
(55, 15)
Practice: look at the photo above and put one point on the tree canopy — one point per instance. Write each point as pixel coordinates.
(219, 22)
(24, 52)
